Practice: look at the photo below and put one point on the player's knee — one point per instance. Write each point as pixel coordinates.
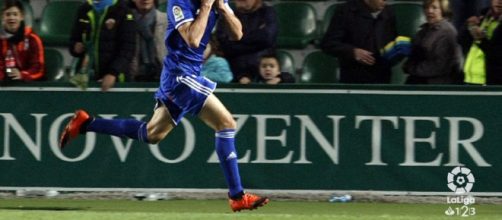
(227, 123)
(155, 138)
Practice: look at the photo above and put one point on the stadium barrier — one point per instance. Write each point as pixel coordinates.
(382, 138)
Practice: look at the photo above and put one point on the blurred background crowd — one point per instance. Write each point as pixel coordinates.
(284, 41)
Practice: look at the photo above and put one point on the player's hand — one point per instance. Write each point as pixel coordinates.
(79, 47)
(364, 57)
(107, 82)
(220, 5)
(14, 74)
(208, 3)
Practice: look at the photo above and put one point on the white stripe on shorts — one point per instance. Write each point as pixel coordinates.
(198, 84)
(195, 85)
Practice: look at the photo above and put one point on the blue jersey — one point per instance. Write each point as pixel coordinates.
(182, 88)
(181, 57)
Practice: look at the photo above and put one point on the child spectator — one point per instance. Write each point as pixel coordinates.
(270, 71)
(215, 67)
(22, 52)
(260, 28)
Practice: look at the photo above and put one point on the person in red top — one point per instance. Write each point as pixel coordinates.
(21, 50)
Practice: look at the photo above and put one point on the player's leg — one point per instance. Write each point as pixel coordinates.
(152, 132)
(216, 116)
(160, 124)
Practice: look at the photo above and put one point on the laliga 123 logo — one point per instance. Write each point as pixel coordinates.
(460, 180)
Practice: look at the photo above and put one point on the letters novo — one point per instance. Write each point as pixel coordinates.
(311, 136)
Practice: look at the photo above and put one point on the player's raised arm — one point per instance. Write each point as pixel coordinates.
(192, 32)
(233, 23)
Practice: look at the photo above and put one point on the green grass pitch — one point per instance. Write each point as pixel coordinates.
(55, 209)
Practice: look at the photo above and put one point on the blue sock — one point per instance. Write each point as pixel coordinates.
(120, 127)
(225, 149)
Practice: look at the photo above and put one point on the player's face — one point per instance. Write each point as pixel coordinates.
(11, 19)
(433, 12)
(144, 5)
(269, 68)
(376, 5)
(497, 6)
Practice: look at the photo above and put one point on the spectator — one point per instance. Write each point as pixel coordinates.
(270, 71)
(482, 30)
(108, 45)
(435, 55)
(215, 67)
(492, 47)
(150, 50)
(357, 32)
(22, 52)
(259, 24)
(461, 10)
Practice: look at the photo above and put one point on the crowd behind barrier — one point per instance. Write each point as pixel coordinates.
(302, 24)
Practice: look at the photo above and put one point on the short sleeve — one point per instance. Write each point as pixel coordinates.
(179, 12)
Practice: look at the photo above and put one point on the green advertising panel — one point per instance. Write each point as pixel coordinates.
(362, 138)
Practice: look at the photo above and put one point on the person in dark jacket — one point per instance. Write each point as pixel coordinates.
(461, 11)
(104, 36)
(492, 47)
(357, 32)
(482, 64)
(259, 25)
(435, 56)
(151, 24)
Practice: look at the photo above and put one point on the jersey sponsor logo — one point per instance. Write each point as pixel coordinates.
(178, 13)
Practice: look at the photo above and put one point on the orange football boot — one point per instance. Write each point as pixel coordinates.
(248, 201)
(73, 128)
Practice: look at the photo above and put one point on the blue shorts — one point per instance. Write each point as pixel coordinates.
(183, 93)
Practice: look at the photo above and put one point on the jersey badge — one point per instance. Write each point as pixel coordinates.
(178, 13)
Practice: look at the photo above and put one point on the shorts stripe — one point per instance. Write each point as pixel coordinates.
(198, 84)
(208, 89)
(195, 85)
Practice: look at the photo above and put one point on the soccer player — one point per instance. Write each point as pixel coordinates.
(183, 90)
